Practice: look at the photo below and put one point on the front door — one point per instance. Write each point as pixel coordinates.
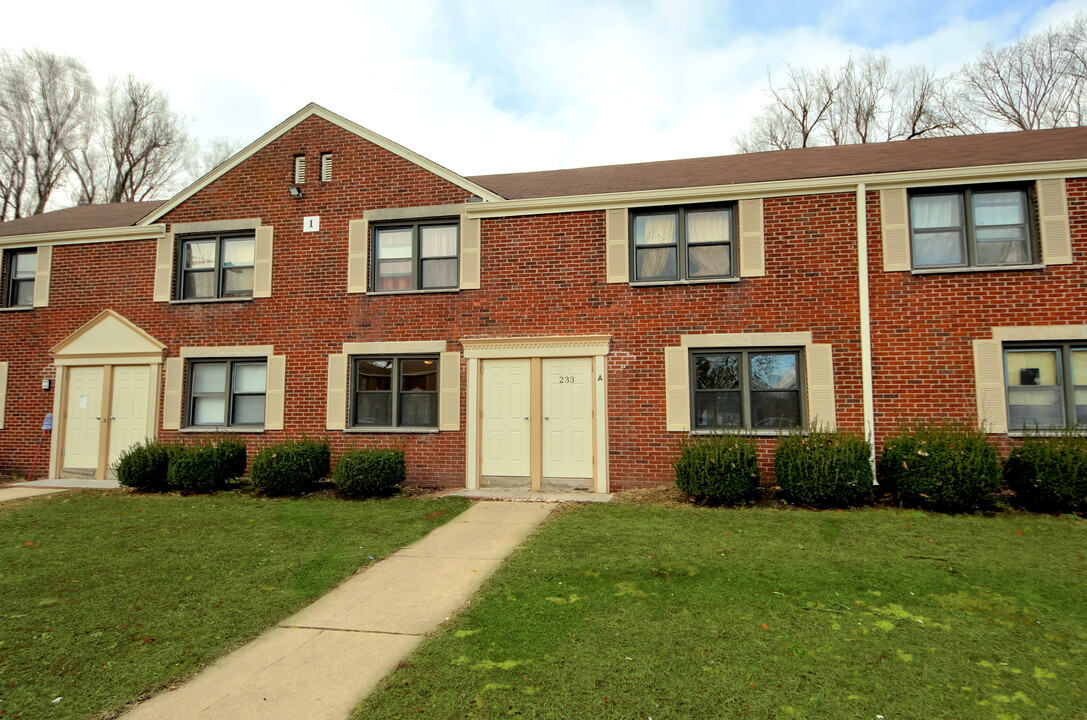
(129, 409)
(567, 445)
(105, 403)
(505, 423)
(83, 421)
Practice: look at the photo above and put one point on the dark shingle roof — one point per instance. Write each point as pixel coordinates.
(841, 160)
(83, 217)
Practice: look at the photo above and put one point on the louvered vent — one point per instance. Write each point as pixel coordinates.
(326, 167)
(299, 169)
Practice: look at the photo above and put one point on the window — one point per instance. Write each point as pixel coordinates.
(983, 227)
(1047, 387)
(19, 269)
(754, 389)
(677, 244)
(216, 266)
(415, 256)
(394, 392)
(227, 393)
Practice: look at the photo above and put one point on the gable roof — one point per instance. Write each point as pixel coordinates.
(778, 165)
(313, 109)
(83, 217)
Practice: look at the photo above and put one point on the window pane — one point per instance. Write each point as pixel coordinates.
(237, 281)
(1002, 252)
(717, 372)
(656, 263)
(1032, 368)
(199, 255)
(23, 295)
(935, 211)
(1081, 406)
(248, 410)
(938, 248)
(250, 377)
(717, 409)
(1079, 367)
(209, 377)
(771, 410)
(708, 261)
(394, 275)
(1035, 407)
(655, 229)
(238, 252)
(209, 410)
(25, 265)
(777, 371)
(708, 226)
(440, 273)
(393, 244)
(419, 410)
(416, 375)
(199, 285)
(374, 409)
(374, 375)
(439, 241)
(999, 208)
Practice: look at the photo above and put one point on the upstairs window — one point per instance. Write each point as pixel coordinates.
(227, 393)
(395, 391)
(19, 269)
(683, 244)
(415, 256)
(216, 266)
(751, 389)
(972, 227)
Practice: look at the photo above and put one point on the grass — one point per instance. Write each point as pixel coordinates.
(650, 612)
(104, 597)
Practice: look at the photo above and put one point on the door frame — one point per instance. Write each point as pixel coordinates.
(535, 349)
(105, 341)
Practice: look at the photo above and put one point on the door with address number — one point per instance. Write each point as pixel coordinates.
(567, 442)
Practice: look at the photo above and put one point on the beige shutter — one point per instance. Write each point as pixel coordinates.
(41, 276)
(3, 391)
(299, 169)
(989, 385)
(449, 397)
(820, 376)
(171, 406)
(617, 245)
(336, 397)
(1053, 220)
(894, 220)
(262, 262)
(358, 245)
(274, 392)
(164, 268)
(677, 389)
(470, 253)
(752, 242)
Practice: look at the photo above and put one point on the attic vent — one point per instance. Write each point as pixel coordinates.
(326, 167)
(299, 169)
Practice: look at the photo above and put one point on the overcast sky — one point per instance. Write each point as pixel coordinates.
(485, 86)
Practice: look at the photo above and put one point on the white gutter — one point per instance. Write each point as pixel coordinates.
(866, 325)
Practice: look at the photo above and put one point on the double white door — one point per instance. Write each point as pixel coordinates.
(105, 404)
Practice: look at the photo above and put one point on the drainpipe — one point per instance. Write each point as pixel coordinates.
(866, 326)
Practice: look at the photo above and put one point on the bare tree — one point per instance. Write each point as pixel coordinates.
(46, 101)
(772, 129)
(923, 107)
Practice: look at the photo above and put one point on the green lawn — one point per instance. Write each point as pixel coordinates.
(648, 612)
(104, 597)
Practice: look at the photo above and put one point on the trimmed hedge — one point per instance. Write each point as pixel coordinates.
(824, 468)
(290, 467)
(206, 467)
(1049, 473)
(144, 466)
(717, 469)
(370, 472)
(950, 468)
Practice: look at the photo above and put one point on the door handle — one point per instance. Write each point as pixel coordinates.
(546, 417)
(112, 417)
(526, 417)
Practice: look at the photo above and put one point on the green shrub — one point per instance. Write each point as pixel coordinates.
(1049, 474)
(194, 469)
(717, 469)
(941, 467)
(144, 466)
(824, 468)
(370, 472)
(290, 467)
(230, 459)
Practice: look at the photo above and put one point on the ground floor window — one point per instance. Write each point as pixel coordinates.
(394, 391)
(1047, 386)
(753, 389)
(227, 393)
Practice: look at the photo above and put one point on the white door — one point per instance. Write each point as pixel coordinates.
(128, 409)
(567, 418)
(505, 423)
(83, 423)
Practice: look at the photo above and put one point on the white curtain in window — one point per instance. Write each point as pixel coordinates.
(654, 230)
(935, 211)
(439, 241)
(1003, 208)
(710, 226)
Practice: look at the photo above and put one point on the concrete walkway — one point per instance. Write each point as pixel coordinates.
(13, 492)
(319, 663)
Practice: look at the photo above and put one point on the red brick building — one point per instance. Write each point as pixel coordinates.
(552, 329)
